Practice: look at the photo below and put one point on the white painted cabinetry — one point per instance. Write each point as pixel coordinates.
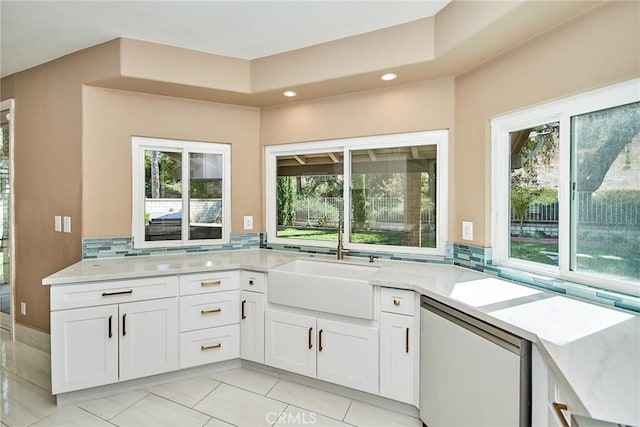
(118, 337)
(253, 285)
(209, 318)
(552, 404)
(343, 353)
(399, 345)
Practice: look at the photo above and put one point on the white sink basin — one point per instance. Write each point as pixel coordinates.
(330, 287)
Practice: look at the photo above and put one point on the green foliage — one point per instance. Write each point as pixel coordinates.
(359, 200)
(285, 195)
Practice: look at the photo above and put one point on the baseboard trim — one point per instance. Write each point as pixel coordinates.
(33, 338)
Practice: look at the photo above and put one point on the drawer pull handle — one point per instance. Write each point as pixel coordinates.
(210, 347)
(406, 341)
(396, 302)
(211, 283)
(320, 340)
(250, 282)
(310, 332)
(243, 304)
(559, 407)
(213, 310)
(110, 329)
(108, 294)
(124, 324)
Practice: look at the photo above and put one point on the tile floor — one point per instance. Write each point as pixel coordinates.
(240, 397)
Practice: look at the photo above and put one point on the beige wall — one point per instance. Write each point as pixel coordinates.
(112, 117)
(48, 174)
(594, 50)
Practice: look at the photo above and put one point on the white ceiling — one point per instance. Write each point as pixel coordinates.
(34, 32)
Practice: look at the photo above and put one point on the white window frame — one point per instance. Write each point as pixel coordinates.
(139, 146)
(560, 111)
(438, 138)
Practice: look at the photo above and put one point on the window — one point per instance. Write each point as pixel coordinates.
(389, 192)
(181, 192)
(566, 188)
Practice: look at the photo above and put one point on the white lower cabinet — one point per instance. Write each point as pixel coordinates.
(252, 326)
(398, 347)
(290, 342)
(340, 352)
(552, 405)
(348, 354)
(102, 345)
(209, 345)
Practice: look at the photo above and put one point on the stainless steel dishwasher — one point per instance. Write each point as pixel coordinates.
(471, 373)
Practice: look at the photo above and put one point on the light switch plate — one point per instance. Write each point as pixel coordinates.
(67, 224)
(248, 222)
(57, 223)
(467, 230)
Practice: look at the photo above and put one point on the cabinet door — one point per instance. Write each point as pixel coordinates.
(252, 326)
(398, 349)
(290, 342)
(348, 355)
(84, 348)
(148, 337)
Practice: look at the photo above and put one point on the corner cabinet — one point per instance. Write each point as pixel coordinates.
(106, 332)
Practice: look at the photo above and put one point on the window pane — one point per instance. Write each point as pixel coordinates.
(534, 194)
(606, 201)
(393, 196)
(163, 195)
(309, 196)
(205, 196)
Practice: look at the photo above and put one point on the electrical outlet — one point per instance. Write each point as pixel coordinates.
(23, 308)
(67, 224)
(248, 222)
(57, 223)
(467, 230)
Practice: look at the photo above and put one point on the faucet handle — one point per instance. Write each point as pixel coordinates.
(372, 257)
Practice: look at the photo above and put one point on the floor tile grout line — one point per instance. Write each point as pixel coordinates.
(347, 411)
(273, 386)
(208, 394)
(138, 400)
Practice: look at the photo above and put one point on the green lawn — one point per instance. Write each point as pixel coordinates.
(392, 238)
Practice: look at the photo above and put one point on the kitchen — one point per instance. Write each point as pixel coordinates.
(88, 105)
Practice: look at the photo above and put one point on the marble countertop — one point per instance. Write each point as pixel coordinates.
(593, 350)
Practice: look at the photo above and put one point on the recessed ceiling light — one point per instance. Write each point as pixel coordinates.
(388, 76)
(290, 93)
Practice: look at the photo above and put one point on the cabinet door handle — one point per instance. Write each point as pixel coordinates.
(124, 325)
(406, 341)
(310, 332)
(210, 283)
(396, 302)
(243, 304)
(250, 282)
(108, 294)
(559, 407)
(213, 310)
(110, 326)
(210, 347)
(320, 340)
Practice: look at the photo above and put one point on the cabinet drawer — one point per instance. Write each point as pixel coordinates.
(209, 310)
(397, 301)
(209, 345)
(253, 281)
(201, 283)
(112, 292)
